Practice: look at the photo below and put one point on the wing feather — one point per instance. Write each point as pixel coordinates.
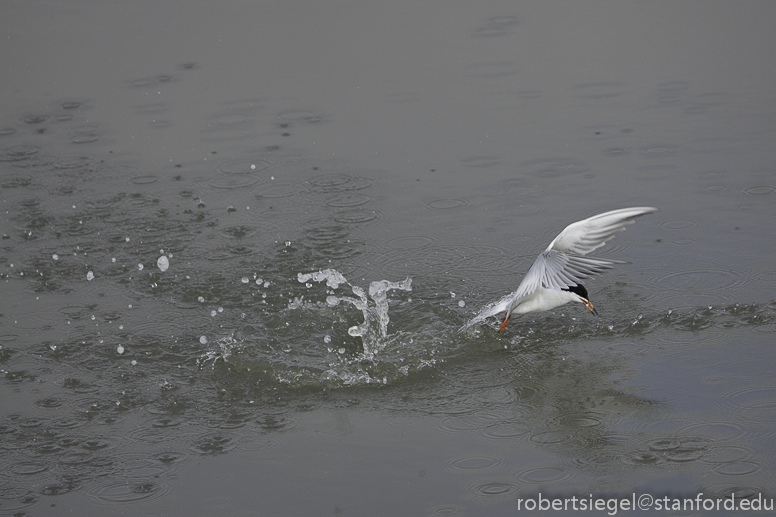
(584, 236)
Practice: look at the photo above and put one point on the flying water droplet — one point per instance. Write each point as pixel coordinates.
(163, 263)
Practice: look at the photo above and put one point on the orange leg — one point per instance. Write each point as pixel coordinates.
(504, 322)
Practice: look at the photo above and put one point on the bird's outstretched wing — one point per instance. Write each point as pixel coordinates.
(563, 263)
(584, 236)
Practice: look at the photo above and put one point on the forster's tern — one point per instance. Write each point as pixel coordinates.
(555, 278)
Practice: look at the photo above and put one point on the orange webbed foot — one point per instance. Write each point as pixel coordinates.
(504, 322)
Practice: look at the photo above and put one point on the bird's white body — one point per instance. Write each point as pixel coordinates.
(555, 278)
(542, 300)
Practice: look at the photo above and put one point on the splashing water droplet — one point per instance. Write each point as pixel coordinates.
(163, 263)
(373, 331)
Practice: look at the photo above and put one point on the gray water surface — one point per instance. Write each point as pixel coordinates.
(168, 171)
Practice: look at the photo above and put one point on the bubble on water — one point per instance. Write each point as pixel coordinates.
(341, 351)
(245, 280)
(332, 301)
(200, 299)
(133, 363)
(220, 309)
(90, 276)
(327, 339)
(266, 284)
(119, 349)
(140, 267)
(55, 256)
(461, 303)
(163, 263)
(452, 294)
(126, 239)
(212, 313)
(203, 340)
(113, 259)
(253, 166)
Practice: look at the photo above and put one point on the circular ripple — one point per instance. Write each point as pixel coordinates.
(411, 242)
(237, 232)
(210, 444)
(556, 168)
(544, 475)
(472, 422)
(580, 420)
(492, 489)
(550, 437)
(355, 216)
(243, 166)
(348, 200)
(259, 444)
(688, 450)
(72, 162)
(446, 511)
(473, 463)
(760, 191)
(739, 468)
(724, 490)
(727, 454)
(28, 468)
(84, 138)
(234, 182)
(18, 152)
(144, 180)
(339, 183)
(712, 279)
(719, 430)
(678, 224)
(640, 458)
(170, 457)
(658, 151)
(279, 190)
(112, 492)
(753, 404)
(447, 204)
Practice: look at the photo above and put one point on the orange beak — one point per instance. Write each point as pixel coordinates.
(589, 306)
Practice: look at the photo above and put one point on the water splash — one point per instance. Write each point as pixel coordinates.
(373, 331)
(491, 309)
